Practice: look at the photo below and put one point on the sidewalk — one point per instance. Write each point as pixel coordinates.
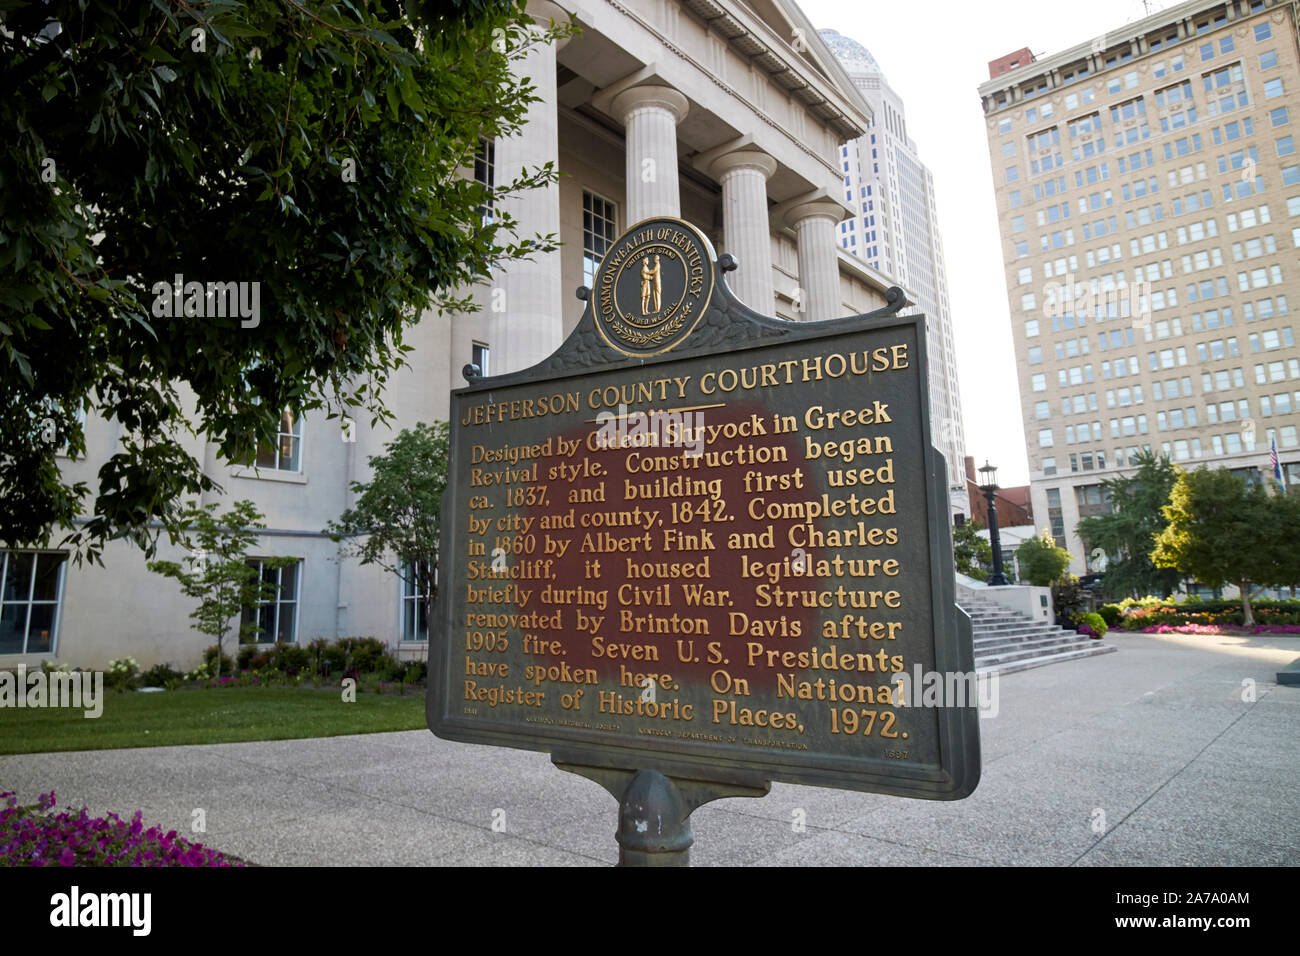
(1154, 741)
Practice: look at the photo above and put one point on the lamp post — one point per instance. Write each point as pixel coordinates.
(989, 485)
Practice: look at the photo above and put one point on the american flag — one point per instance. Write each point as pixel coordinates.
(1277, 467)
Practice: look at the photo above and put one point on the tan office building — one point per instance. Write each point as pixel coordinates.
(1148, 189)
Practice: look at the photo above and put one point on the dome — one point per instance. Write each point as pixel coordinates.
(853, 56)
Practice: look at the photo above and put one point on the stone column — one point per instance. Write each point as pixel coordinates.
(746, 232)
(524, 307)
(651, 114)
(819, 271)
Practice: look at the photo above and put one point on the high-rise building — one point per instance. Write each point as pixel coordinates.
(1148, 188)
(895, 229)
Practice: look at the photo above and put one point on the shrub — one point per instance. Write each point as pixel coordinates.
(160, 675)
(1111, 614)
(1219, 612)
(417, 672)
(1097, 623)
(210, 658)
(121, 674)
(290, 658)
(364, 653)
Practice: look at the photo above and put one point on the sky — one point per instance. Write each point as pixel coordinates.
(935, 55)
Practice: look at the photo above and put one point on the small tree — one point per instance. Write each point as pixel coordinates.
(1041, 562)
(971, 553)
(1127, 535)
(216, 573)
(1223, 530)
(396, 522)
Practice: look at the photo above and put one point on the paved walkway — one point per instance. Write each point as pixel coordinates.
(1155, 742)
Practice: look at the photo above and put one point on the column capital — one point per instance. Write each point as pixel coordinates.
(543, 12)
(642, 97)
(743, 159)
(816, 209)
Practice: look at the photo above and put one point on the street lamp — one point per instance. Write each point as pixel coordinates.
(989, 485)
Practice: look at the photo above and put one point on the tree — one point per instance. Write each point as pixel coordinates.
(300, 170)
(396, 523)
(1224, 530)
(971, 553)
(216, 573)
(1127, 535)
(1041, 562)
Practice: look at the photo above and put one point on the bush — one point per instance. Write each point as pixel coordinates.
(121, 674)
(160, 675)
(210, 659)
(1175, 614)
(417, 672)
(364, 654)
(1111, 614)
(1097, 623)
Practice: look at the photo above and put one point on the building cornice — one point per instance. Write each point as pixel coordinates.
(1111, 40)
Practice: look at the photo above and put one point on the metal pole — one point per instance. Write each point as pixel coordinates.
(995, 539)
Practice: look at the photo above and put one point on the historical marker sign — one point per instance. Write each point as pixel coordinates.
(707, 542)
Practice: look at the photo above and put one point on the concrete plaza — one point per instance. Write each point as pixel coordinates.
(1150, 756)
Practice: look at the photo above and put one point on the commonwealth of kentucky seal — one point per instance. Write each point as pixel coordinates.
(653, 285)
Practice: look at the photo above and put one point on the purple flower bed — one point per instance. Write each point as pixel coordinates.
(1220, 629)
(34, 836)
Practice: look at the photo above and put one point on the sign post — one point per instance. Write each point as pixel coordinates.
(700, 549)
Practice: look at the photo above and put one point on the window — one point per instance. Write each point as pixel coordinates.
(276, 619)
(485, 161)
(598, 231)
(1268, 61)
(415, 620)
(30, 590)
(1044, 438)
(1039, 383)
(482, 358)
(1036, 355)
(1013, 172)
(286, 453)
(1262, 31)
(1272, 89)
(1279, 116)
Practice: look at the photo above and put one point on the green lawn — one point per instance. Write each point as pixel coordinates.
(223, 715)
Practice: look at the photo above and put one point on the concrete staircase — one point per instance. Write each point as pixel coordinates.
(1006, 642)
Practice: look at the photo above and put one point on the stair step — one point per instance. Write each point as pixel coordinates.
(1007, 641)
(1023, 665)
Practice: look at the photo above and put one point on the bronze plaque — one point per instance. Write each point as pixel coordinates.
(703, 541)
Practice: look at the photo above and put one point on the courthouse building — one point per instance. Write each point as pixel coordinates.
(1148, 188)
(727, 114)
